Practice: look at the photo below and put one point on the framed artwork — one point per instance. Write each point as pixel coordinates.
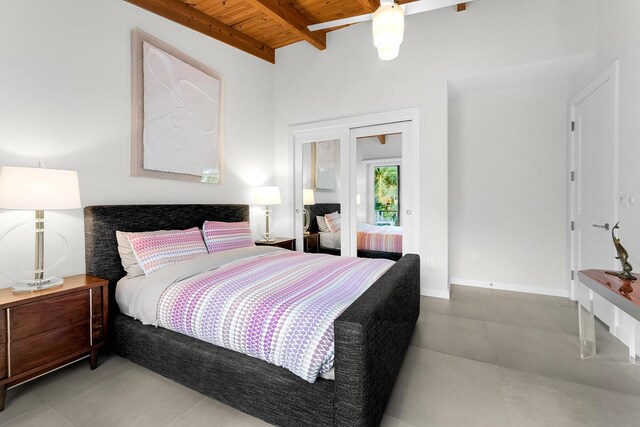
(324, 155)
(176, 114)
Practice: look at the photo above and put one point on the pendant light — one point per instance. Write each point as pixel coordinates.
(388, 29)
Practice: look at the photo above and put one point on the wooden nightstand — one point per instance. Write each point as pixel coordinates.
(281, 242)
(43, 330)
(312, 242)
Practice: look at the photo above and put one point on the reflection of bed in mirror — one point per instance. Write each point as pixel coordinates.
(373, 241)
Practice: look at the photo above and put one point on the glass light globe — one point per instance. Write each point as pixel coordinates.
(388, 30)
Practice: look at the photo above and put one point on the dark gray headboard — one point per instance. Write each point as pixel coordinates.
(320, 209)
(101, 223)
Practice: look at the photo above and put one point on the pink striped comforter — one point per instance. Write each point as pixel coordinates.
(379, 238)
(279, 307)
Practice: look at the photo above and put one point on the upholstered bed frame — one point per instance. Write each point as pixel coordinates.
(321, 209)
(371, 336)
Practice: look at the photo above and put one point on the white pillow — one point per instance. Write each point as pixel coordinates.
(322, 224)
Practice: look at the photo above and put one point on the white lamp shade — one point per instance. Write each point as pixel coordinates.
(267, 196)
(38, 189)
(388, 30)
(308, 197)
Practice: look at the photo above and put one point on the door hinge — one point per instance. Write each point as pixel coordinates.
(573, 275)
(573, 126)
(573, 176)
(573, 226)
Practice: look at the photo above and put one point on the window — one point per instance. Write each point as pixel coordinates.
(386, 195)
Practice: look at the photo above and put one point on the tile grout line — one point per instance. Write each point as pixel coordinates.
(187, 411)
(504, 397)
(61, 416)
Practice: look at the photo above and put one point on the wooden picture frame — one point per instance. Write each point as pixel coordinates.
(182, 141)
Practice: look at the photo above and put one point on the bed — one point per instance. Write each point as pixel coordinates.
(371, 335)
(373, 241)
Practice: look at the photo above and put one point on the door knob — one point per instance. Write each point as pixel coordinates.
(606, 226)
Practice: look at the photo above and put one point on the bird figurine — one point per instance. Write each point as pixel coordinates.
(623, 256)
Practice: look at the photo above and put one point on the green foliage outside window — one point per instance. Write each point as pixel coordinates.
(386, 188)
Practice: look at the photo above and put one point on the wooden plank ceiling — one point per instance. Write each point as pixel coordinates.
(259, 27)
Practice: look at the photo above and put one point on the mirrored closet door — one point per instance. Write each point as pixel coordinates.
(378, 196)
(382, 199)
(322, 181)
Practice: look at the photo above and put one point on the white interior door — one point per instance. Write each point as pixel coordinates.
(594, 182)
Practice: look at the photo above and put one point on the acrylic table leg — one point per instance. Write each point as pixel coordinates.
(586, 322)
(632, 342)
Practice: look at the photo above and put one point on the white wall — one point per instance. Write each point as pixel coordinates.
(508, 189)
(348, 79)
(66, 96)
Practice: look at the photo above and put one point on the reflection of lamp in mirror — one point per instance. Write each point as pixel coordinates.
(308, 198)
(38, 189)
(267, 196)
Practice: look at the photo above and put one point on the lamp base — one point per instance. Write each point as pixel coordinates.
(38, 285)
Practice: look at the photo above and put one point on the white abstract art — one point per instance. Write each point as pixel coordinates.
(177, 125)
(325, 165)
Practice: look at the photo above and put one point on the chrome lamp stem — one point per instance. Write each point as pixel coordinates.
(39, 255)
(267, 234)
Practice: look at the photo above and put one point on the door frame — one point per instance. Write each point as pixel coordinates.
(342, 129)
(612, 74)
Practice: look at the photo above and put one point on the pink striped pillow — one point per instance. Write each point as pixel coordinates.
(333, 221)
(155, 252)
(222, 236)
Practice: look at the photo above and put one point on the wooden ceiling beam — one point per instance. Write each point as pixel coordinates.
(190, 17)
(292, 19)
(370, 5)
(461, 7)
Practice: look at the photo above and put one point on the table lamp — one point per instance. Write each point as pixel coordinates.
(267, 196)
(308, 198)
(38, 189)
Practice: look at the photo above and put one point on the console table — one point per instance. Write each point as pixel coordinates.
(619, 292)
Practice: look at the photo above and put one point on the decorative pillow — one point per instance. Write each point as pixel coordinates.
(333, 221)
(322, 224)
(128, 259)
(155, 252)
(222, 236)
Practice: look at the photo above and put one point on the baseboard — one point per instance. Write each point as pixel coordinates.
(435, 293)
(510, 287)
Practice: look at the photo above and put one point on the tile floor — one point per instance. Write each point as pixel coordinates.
(483, 358)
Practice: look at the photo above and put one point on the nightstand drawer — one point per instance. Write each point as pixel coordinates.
(48, 346)
(49, 314)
